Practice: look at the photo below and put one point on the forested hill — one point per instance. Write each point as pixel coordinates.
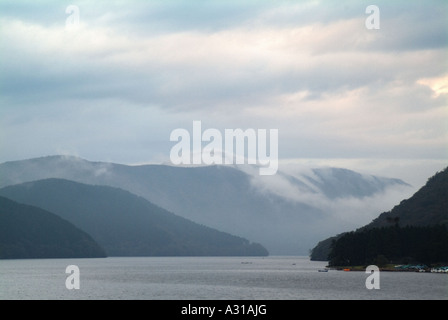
(399, 245)
(427, 208)
(127, 225)
(28, 232)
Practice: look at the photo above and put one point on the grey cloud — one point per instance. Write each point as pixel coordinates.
(201, 85)
(226, 60)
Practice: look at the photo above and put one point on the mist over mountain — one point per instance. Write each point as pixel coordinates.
(287, 213)
(127, 225)
(425, 208)
(28, 232)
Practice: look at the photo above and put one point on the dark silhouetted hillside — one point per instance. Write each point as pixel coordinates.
(127, 225)
(428, 207)
(28, 232)
(393, 244)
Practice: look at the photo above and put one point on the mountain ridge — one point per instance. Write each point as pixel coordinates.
(287, 213)
(125, 224)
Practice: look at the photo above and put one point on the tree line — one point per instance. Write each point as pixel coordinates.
(380, 246)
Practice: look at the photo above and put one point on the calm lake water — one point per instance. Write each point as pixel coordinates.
(208, 278)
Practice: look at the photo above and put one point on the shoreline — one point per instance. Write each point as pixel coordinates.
(389, 269)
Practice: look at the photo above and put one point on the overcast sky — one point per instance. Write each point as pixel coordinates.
(114, 87)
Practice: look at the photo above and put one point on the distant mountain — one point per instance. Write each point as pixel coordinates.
(339, 183)
(428, 207)
(127, 225)
(287, 213)
(27, 232)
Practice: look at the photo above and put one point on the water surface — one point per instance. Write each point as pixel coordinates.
(206, 278)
